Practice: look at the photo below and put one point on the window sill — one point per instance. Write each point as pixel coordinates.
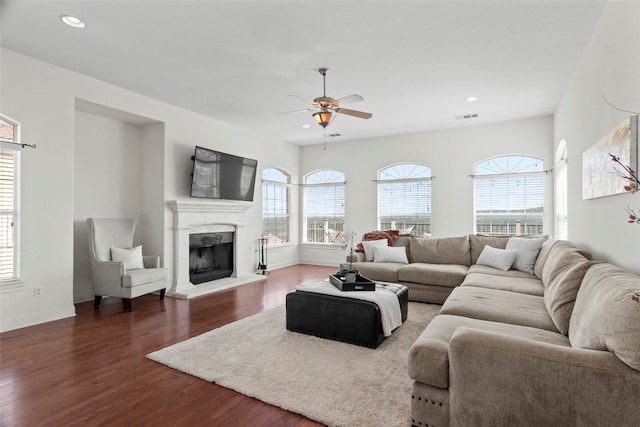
(11, 286)
(325, 246)
(280, 247)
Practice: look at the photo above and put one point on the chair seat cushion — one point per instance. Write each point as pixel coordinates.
(143, 276)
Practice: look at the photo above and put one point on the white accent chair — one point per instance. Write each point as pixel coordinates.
(111, 278)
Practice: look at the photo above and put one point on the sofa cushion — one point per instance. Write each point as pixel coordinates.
(527, 252)
(502, 259)
(378, 271)
(531, 286)
(543, 255)
(390, 254)
(444, 250)
(477, 242)
(450, 275)
(499, 306)
(562, 275)
(484, 269)
(606, 315)
(429, 355)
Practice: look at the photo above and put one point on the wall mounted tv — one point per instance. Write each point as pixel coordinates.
(218, 175)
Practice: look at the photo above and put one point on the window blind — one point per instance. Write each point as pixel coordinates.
(7, 214)
(509, 205)
(561, 209)
(324, 213)
(405, 205)
(275, 212)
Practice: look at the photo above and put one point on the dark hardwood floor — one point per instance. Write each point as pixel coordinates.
(91, 370)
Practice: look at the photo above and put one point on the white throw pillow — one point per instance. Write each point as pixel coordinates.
(131, 258)
(528, 250)
(497, 258)
(390, 254)
(368, 247)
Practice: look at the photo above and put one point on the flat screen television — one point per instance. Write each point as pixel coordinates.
(218, 175)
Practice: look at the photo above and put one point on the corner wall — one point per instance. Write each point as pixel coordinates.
(42, 98)
(609, 67)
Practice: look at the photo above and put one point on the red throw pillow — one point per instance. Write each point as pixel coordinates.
(390, 235)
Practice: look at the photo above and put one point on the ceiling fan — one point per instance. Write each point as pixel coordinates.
(327, 107)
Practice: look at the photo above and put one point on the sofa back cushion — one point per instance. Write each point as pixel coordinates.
(606, 315)
(477, 242)
(444, 250)
(562, 276)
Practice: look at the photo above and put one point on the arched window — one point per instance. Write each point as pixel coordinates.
(9, 199)
(275, 206)
(404, 198)
(324, 207)
(561, 225)
(509, 196)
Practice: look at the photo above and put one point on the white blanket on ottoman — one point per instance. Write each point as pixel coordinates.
(387, 301)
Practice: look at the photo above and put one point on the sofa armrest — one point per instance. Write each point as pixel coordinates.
(151, 261)
(503, 380)
(356, 257)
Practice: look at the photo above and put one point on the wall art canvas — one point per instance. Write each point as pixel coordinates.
(598, 176)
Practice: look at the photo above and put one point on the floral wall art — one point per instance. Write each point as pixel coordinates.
(599, 179)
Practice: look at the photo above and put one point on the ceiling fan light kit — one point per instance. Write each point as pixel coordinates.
(328, 107)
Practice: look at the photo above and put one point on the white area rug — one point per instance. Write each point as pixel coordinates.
(334, 383)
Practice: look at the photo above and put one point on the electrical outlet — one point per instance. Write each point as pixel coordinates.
(37, 292)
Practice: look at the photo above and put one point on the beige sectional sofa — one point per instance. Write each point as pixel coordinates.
(559, 345)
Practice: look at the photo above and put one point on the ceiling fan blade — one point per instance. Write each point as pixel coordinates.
(295, 111)
(350, 99)
(354, 113)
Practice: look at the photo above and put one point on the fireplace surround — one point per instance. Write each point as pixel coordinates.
(215, 217)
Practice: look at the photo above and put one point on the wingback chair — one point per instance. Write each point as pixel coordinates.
(113, 278)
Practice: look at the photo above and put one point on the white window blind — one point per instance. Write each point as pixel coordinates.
(275, 206)
(9, 206)
(561, 195)
(404, 198)
(324, 207)
(509, 196)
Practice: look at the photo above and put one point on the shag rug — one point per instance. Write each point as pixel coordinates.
(327, 381)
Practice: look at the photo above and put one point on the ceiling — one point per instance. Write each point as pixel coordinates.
(414, 62)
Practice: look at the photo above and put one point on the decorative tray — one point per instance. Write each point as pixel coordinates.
(361, 283)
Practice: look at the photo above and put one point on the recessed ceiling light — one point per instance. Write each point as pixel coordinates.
(472, 99)
(306, 126)
(72, 21)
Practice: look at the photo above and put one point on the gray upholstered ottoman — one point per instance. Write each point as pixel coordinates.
(341, 318)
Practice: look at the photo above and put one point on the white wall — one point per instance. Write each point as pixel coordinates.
(42, 98)
(451, 155)
(609, 67)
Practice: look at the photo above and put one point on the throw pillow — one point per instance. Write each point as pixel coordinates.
(497, 258)
(131, 258)
(390, 254)
(369, 245)
(527, 249)
(390, 235)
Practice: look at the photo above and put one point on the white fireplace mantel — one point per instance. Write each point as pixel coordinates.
(204, 217)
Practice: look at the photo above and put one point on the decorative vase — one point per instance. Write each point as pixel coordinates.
(350, 277)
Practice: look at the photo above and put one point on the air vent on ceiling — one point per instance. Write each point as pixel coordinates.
(466, 116)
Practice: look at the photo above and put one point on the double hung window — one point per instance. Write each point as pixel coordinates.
(509, 196)
(275, 206)
(404, 198)
(324, 207)
(9, 200)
